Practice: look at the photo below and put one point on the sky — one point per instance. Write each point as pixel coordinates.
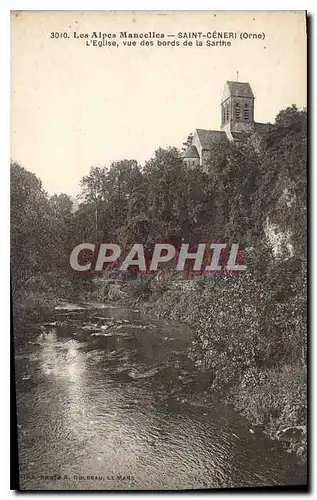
(75, 106)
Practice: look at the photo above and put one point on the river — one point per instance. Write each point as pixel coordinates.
(108, 399)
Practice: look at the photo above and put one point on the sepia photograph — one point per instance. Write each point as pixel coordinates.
(158, 201)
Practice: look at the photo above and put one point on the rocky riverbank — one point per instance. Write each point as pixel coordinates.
(253, 347)
(262, 376)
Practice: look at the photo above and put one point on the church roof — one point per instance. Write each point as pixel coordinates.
(209, 137)
(237, 89)
(191, 152)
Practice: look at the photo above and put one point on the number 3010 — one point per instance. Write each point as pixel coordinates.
(55, 34)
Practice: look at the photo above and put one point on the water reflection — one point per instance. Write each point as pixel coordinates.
(131, 406)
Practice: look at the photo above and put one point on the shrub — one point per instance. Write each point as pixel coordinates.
(275, 398)
(139, 288)
(245, 325)
(160, 287)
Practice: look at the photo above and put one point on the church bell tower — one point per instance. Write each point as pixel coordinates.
(237, 109)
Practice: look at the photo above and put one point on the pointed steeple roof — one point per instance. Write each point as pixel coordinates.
(237, 89)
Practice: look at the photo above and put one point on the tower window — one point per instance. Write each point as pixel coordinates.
(237, 111)
(227, 113)
(223, 114)
(246, 112)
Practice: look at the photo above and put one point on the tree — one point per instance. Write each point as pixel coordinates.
(188, 142)
(40, 230)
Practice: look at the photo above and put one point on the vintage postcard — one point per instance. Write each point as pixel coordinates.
(158, 249)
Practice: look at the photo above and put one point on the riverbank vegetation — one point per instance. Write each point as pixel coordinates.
(41, 237)
(249, 329)
(250, 333)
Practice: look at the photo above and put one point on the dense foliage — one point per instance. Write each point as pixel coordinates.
(243, 190)
(41, 238)
(250, 330)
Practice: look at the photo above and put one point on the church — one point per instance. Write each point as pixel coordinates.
(237, 124)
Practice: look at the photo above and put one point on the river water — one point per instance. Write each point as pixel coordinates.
(108, 399)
